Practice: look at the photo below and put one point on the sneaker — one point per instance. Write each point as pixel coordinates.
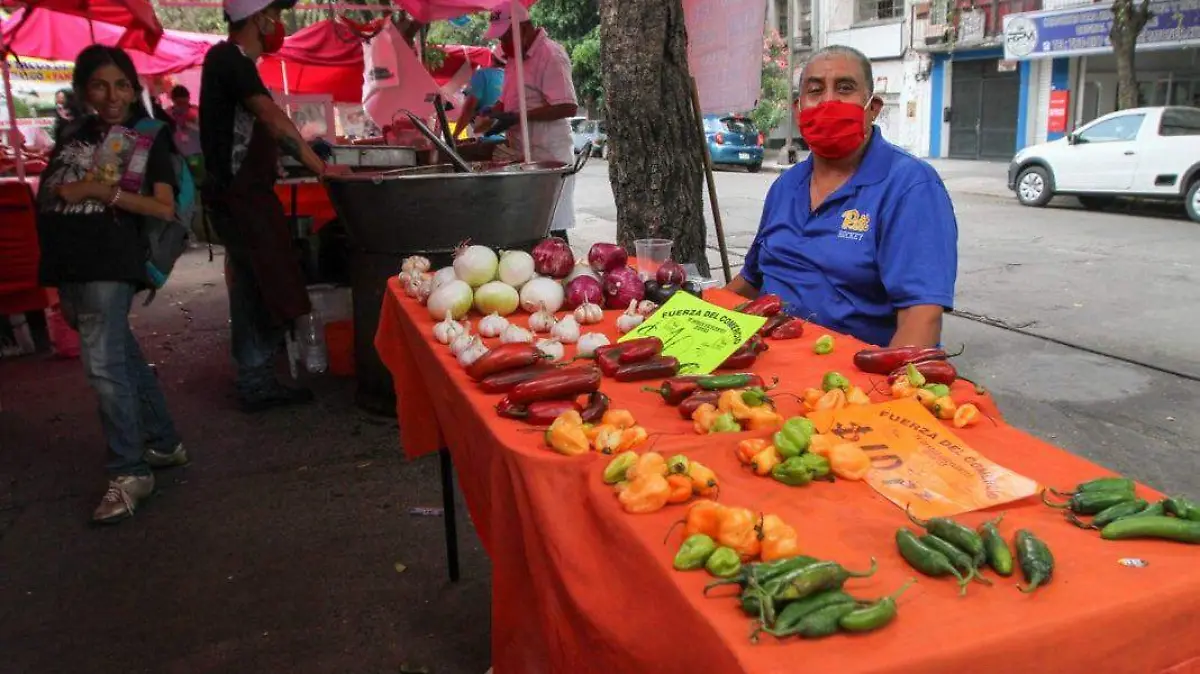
(171, 459)
(274, 395)
(124, 494)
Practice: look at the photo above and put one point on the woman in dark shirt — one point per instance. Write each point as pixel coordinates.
(94, 253)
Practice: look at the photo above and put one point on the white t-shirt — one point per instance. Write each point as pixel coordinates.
(547, 82)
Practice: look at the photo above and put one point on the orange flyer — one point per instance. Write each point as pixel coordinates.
(916, 461)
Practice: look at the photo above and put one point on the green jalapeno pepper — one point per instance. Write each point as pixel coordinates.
(820, 623)
(1169, 528)
(615, 471)
(793, 438)
(1157, 509)
(726, 423)
(875, 616)
(960, 536)
(724, 562)
(694, 552)
(1109, 515)
(1182, 508)
(925, 559)
(999, 557)
(1092, 501)
(790, 617)
(719, 382)
(792, 472)
(1037, 562)
(763, 572)
(961, 560)
(819, 576)
(1099, 484)
(678, 464)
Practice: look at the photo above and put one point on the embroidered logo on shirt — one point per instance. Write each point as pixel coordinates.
(854, 225)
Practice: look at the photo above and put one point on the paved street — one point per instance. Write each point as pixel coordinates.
(1084, 325)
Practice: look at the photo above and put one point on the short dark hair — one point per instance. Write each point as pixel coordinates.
(864, 63)
(180, 91)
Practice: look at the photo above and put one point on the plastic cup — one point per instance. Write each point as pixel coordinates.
(649, 255)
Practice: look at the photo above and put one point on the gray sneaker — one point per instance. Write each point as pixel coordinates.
(171, 459)
(124, 494)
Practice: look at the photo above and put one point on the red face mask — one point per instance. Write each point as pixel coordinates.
(273, 41)
(833, 129)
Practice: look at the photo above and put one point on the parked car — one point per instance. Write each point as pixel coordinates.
(1149, 153)
(734, 140)
(583, 130)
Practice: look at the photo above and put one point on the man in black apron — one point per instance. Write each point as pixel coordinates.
(242, 132)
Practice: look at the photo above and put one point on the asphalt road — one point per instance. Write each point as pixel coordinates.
(1085, 326)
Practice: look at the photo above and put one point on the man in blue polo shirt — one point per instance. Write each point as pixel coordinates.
(861, 236)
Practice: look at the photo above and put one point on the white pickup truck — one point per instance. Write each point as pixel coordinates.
(1149, 153)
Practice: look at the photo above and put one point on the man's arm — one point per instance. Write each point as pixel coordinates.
(549, 113)
(919, 325)
(741, 286)
(285, 132)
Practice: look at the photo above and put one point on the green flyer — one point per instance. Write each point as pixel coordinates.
(699, 334)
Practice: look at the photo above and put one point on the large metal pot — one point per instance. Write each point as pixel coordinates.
(430, 211)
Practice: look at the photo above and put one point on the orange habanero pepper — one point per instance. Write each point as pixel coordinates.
(632, 437)
(821, 443)
(944, 408)
(925, 397)
(811, 396)
(849, 461)
(620, 418)
(739, 531)
(646, 494)
(704, 479)
(681, 488)
(703, 517)
(703, 418)
(857, 396)
(746, 449)
(648, 464)
(779, 539)
(763, 419)
(764, 461)
(966, 415)
(605, 438)
(731, 401)
(832, 400)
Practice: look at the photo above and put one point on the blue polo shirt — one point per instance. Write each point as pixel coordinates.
(885, 240)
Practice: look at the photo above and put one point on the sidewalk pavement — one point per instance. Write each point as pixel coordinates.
(288, 545)
(984, 178)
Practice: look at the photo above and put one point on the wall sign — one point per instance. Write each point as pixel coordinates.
(1056, 119)
(1174, 24)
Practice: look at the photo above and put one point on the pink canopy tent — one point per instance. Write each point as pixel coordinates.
(427, 11)
(58, 37)
(141, 27)
(327, 58)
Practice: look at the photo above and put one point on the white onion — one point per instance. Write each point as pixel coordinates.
(542, 293)
(476, 265)
(443, 276)
(454, 297)
(516, 267)
(496, 297)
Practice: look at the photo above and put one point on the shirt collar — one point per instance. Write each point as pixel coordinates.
(876, 163)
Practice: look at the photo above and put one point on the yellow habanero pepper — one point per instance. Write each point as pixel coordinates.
(764, 461)
(606, 439)
(632, 437)
(704, 417)
(747, 448)
(731, 401)
(944, 408)
(620, 418)
(567, 439)
(763, 419)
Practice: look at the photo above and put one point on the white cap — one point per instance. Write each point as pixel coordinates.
(502, 20)
(237, 10)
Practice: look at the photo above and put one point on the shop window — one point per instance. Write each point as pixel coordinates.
(1180, 122)
(877, 10)
(1122, 128)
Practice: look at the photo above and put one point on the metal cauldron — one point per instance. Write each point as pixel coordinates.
(429, 211)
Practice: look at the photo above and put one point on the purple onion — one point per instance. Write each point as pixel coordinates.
(671, 273)
(622, 286)
(604, 257)
(553, 257)
(584, 289)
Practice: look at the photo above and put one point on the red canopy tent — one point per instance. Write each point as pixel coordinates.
(327, 58)
(141, 27)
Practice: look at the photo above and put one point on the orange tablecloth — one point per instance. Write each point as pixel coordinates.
(580, 586)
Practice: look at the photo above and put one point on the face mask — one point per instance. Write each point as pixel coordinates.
(834, 129)
(273, 41)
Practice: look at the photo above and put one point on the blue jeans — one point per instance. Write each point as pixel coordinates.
(255, 340)
(133, 410)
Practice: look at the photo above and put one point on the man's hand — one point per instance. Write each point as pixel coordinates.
(82, 190)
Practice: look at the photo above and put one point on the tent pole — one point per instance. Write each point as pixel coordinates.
(286, 90)
(14, 134)
(712, 184)
(522, 105)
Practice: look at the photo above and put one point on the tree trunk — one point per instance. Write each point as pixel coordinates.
(1128, 21)
(657, 164)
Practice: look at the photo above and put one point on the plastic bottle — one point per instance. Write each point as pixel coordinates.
(312, 336)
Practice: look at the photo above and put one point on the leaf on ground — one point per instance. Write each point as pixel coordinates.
(400, 568)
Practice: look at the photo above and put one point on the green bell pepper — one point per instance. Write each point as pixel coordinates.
(724, 563)
(793, 472)
(834, 380)
(817, 465)
(793, 439)
(678, 464)
(755, 397)
(620, 464)
(694, 552)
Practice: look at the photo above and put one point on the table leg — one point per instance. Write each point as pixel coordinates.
(447, 471)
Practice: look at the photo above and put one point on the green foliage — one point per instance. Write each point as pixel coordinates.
(575, 24)
(444, 32)
(586, 70)
(23, 109)
(773, 104)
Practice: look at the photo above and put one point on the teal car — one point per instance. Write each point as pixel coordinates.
(733, 140)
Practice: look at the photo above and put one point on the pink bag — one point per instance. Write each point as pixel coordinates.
(64, 340)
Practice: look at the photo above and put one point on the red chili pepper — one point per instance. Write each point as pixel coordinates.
(763, 305)
(594, 409)
(773, 323)
(502, 382)
(697, 399)
(555, 385)
(510, 410)
(745, 356)
(638, 350)
(791, 329)
(756, 344)
(504, 358)
(886, 361)
(934, 371)
(676, 389)
(544, 412)
(609, 361)
(661, 366)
